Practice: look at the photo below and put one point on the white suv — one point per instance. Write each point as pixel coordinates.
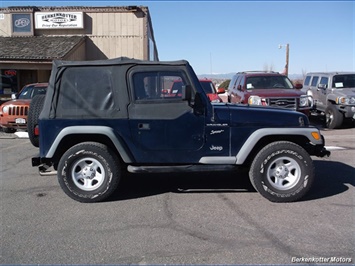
(333, 94)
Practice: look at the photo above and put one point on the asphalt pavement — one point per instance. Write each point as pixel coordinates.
(197, 218)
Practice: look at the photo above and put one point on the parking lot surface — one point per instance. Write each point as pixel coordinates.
(200, 218)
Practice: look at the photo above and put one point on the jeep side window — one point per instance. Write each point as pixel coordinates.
(314, 81)
(157, 85)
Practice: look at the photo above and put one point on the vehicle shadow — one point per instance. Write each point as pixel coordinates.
(327, 182)
(145, 185)
(330, 182)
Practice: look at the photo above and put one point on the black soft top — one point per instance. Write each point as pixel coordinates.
(87, 89)
(115, 61)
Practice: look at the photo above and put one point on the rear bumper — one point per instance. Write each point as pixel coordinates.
(43, 166)
(38, 161)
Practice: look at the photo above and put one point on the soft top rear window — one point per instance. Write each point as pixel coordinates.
(86, 92)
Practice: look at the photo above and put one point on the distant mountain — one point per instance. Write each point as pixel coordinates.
(230, 75)
(295, 76)
(216, 76)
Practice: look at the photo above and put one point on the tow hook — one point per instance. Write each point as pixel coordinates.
(324, 152)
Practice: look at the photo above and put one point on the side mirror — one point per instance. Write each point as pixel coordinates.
(221, 90)
(14, 96)
(239, 88)
(322, 86)
(298, 86)
(186, 93)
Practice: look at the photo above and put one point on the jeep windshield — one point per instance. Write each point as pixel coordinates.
(30, 91)
(208, 87)
(344, 81)
(268, 82)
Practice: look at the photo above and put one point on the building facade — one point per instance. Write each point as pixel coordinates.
(32, 37)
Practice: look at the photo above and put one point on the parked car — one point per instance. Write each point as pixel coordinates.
(333, 94)
(13, 114)
(207, 86)
(211, 91)
(268, 89)
(96, 124)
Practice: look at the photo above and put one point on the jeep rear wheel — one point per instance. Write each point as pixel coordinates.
(36, 107)
(333, 118)
(89, 172)
(282, 172)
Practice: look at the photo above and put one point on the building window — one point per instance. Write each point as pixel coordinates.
(22, 24)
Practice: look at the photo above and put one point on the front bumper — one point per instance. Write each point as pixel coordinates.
(347, 110)
(319, 150)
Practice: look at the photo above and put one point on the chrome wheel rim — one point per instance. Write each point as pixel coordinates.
(88, 174)
(329, 118)
(283, 173)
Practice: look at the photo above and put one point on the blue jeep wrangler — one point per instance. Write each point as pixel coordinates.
(100, 118)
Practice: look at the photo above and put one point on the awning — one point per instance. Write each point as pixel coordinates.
(38, 48)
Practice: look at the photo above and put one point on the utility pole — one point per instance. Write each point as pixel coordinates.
(287, 56)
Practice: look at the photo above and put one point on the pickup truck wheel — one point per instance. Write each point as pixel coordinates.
(89, 172)
(35, 109)
(333, 118)
(282, 172)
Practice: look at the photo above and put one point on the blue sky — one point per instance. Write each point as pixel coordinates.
(231, 36)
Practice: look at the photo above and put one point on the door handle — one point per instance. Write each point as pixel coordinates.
(143, 126)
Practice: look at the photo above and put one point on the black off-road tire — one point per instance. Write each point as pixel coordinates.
(35, 109)
(282, 172)
(9, 130)
(333, 118)
(89, 172)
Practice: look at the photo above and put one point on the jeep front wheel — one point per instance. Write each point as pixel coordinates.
(89, 172)
(282, 172)
(333, 118)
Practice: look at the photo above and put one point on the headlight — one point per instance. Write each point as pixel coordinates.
(345, 100)
(303, 101)
(255, 100)
(306, 101)
(5, 109)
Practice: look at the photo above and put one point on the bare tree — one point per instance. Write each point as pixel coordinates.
(268, 67)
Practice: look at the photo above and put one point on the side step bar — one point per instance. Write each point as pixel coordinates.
(43, 170)
(178, 168)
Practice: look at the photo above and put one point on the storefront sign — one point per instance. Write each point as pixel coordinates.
(22, 24)
(59, 20)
